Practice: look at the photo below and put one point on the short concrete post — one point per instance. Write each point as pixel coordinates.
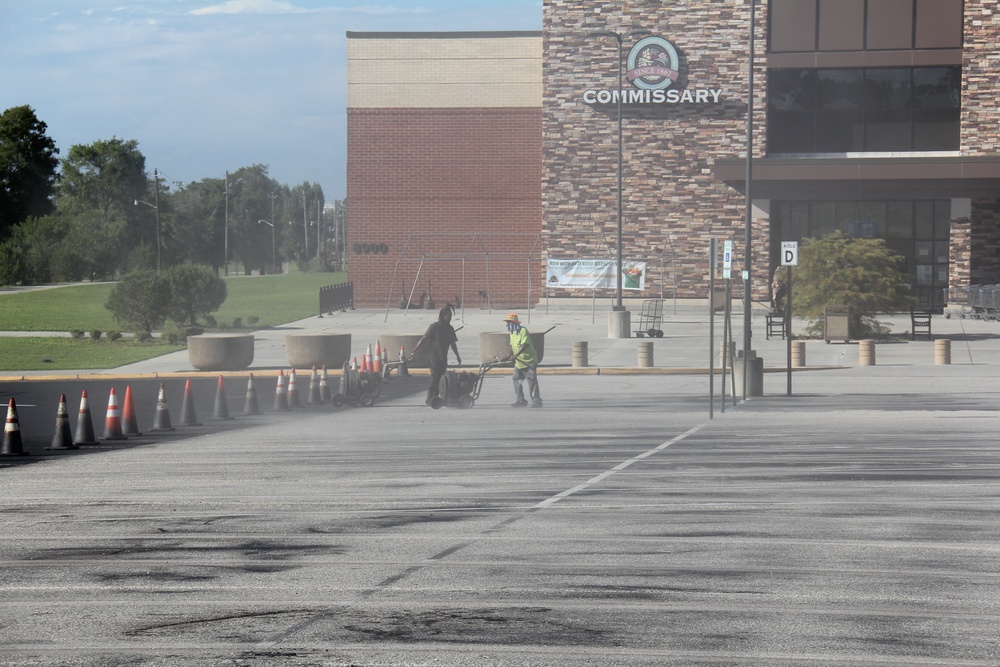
(942, 351)
(646, 354)
(580, 354)
(798, 354)
(866, 352)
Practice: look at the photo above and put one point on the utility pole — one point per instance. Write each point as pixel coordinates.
(156, 204)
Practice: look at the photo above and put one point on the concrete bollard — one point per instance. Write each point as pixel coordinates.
(580, 354)
(866, 352)
(798, 354)
(942, 351)
(645, 354)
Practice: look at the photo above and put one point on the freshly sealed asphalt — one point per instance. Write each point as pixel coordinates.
(850, 523)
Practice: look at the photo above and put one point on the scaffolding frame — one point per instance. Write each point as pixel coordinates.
(476, 248)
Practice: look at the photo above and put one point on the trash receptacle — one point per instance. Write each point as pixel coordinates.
(754, 374)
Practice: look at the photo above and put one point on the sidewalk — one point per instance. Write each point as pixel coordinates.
(684, 347)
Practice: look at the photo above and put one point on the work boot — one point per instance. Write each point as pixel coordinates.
(518, 404)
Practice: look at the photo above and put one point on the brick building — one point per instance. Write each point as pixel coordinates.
(474, 158)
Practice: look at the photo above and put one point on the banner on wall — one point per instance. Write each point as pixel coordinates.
(594, 274)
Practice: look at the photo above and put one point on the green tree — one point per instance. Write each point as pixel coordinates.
(99, 186)
(140, 301)
(194, 290)
(28, 166)
(863, 274)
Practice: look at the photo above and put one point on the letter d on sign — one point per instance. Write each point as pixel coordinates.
(789, 253)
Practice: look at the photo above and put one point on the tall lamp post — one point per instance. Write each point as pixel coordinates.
(619, 38)
(748, 236)
(274, 256)
(226, 234)
(156, 205)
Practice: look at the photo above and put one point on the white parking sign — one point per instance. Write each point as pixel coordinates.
(789, 253)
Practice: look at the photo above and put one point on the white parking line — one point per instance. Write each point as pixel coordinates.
(618, 468)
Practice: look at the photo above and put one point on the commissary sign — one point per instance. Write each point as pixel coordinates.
(653, 66)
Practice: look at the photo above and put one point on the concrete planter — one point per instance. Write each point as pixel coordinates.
(497, 345)
(220, 352)
(308, 350)
(390, 348)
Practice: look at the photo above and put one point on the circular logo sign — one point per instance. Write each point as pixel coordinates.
(653, 64)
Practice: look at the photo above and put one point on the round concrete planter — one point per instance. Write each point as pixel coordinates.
(308, 350)
(390, 348)
(497, 345)
(220, 352)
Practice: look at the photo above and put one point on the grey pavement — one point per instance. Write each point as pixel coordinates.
(852, 523)
(685, 345)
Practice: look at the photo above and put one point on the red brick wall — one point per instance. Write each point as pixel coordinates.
(425, 182)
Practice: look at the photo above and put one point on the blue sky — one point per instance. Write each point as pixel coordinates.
(210, 85)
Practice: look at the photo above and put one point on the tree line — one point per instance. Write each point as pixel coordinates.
(97, 213)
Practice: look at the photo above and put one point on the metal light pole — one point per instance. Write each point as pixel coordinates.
(274, 266)
(226, 234)
(273, 253)
(156, 205)
(748, 236)
(619, 38)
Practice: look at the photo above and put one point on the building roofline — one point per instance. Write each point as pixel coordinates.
(494, 34)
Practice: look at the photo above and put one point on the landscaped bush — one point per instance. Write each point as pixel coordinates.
(96, 334)
(76, 333)
(114, 335)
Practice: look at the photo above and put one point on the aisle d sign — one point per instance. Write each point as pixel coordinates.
(789, 253)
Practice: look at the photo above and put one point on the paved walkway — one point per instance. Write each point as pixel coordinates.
(685, 346)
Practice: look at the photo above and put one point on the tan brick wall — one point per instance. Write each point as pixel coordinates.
(449, 72)
(981, 63)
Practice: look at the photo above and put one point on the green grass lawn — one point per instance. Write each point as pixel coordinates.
(274, 300)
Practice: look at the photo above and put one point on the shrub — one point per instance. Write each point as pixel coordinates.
(140, 300)
(96, 334)
(194, 290)
(238, 323)
(143, 337)
(76, 333)
(863, 274)
(114, 335)
(252, 320)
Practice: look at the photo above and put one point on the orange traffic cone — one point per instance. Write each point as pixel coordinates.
(12, 443)
(129, 424)
(280, 393)
(368, 358)
(377, 359)
(221, 403)
(251, 406)
(62, 439)
(84, 424)
(313, 388)
(354, 364)
(188, 417)
(293, 391)
(113, 420)
(324, 386)
(161, 420)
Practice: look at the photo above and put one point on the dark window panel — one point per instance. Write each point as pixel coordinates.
(887, 131)
(890, 25)
(793, 25)
(938, 24)
(937, 87)
(888, 88)
(839, 132)
(841, 25)
(839, 89)
(791, 89)
(936, 130)
(791, 132)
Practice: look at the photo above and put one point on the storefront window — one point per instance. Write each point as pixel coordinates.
(863, 110)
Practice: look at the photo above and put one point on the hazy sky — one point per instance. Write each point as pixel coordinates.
(205, 86)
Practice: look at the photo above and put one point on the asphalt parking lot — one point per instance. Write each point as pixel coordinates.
(851, 523)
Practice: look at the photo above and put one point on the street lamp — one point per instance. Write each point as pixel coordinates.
(748, 236)
(274, 260)
(226, 235)
(619, 38)
(156, 198)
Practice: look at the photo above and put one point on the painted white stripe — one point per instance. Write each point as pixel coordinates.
(618, 468)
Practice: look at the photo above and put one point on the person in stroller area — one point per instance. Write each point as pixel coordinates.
(522, 351)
